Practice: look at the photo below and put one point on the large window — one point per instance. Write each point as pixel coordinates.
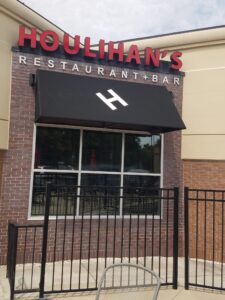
(111, 172)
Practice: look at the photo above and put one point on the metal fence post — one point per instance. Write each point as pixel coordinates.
(175, 238)
(8, 249)
(11, 257)
(14, 253)
(45, 239)
(186, 239)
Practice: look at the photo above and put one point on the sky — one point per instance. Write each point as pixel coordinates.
(127, 19)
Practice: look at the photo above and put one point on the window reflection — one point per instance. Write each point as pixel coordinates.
(101, 151)
(57, 148)
(60, 202)
(142, 154)
(156, 155)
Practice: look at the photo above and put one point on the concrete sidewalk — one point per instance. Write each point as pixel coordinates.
(166, 293)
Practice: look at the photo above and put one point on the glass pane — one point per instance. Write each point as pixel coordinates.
(156, 153)
(142, 153)
(100, 194)
(101, 151)
(141, 195)
(63, 200)
(57, 148)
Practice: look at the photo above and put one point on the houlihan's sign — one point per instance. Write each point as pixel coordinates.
(49, 42)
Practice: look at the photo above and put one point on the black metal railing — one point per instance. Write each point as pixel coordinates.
(77, 247)
(85, 230)
(24, 257)
(205, 238)
(11, 257)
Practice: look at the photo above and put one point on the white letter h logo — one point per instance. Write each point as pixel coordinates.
(115, 97)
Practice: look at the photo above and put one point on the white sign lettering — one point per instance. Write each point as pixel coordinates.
(115, 97)
(102, 71)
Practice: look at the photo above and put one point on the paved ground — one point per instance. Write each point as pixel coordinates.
(164, 294)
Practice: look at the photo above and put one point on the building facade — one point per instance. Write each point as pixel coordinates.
(91, 149)
(74, 152)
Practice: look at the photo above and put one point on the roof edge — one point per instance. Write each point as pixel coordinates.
(181, 40)
(24, 12)
(171, 33)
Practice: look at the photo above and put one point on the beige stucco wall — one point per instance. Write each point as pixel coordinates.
(204, 103)
(13, 14)
(204, 89)
(5, 63)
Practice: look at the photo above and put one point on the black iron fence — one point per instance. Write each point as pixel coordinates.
(11, 257)
(24, 257)
(103, 227)
(87, 229)
(205, 238)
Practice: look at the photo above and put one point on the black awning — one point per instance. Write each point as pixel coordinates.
(81, 100)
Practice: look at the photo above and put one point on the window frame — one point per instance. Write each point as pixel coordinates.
(79, 171)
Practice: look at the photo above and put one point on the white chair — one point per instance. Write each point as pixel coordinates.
(155, 282)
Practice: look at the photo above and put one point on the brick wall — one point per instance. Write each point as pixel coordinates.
(103, 238)
(206, 219)
(16, 165)
(2, 206)
(207, 174)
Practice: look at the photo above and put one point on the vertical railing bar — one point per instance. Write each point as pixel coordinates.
(45, 240)
(137, 250)
(175, 238)
(114, 233)
(10, 273)
(122, 230)
(72, 242)
(98, 239)
(52, 208)
(121, 250)
(145, 237)
(64, 235)
(222, 248)
(196, 238)
(81, 240)
(106, 238)
(167, 231)
(122, 174)
(153, 229)
(186, 237)
(14, 259)
(114, 243)
(205, 237)
(89, 241)
(138, 229)
(106, 234)
(24, 256)
(33, 251)
(129, 249)
(130, 222)
(160, 229)
(79, 172)
(55, 239)
(9, 249)
(213, 277)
